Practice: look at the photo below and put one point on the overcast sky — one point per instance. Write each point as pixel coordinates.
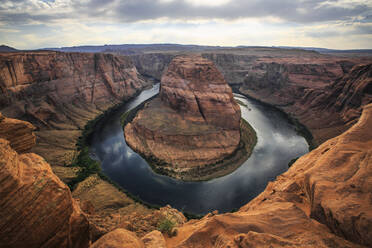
(339, 24)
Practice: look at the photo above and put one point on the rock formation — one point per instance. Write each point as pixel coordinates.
(18, 133)
(323, 200)
(194, 122)
(36, 207)
(59, 92)
(119, 238)
(294, 80)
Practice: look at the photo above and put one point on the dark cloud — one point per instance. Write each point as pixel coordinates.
(302, 11)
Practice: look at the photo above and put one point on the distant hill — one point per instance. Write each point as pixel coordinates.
(5, 49)
(326, 50)
(131, 49)
(134, 48)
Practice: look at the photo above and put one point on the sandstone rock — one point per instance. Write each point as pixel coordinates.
(109, 208)
(66, 173)
(298, 81)
(323, 200)
(194, 123)
(59, 92)
(194, 86)
(18, 133)
(119, 238)
(324, 92)
(36, 208)
(101, 194)
(154, 239)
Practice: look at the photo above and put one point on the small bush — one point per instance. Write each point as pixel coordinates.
(166, 226)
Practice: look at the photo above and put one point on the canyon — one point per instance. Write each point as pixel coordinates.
(60, 92)
(299, 82)
(193, 125)
(323, 200)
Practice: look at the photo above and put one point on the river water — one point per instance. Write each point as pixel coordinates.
(277, 144)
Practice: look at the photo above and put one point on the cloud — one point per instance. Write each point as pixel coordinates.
(49, 23)
(300, 11)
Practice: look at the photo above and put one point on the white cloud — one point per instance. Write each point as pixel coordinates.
(332, 24)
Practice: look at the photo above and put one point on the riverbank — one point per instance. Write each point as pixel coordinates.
(90, 168)
(301, 129)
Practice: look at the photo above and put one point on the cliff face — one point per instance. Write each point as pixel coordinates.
(194, 122)
(323, 200)
(153, 64)
(326, 102)
(18, 133)
(59, 92)
(195, 87)
(304, 85)
(36, 207)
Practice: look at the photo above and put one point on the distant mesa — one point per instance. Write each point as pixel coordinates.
(193, 129)
(6, 49)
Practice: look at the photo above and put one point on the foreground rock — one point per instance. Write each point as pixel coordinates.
(323, 200)
(36, 207)
(193, 124)
(59, 92)
(108, 208)
(120, 238)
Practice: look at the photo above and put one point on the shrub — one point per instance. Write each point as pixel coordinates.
(166, 226)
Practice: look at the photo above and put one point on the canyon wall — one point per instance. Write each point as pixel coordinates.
(325, 93)
(323, 200)
(36, 207)
(297, 81)
(59, 92)
(19, 133)
(152, 64)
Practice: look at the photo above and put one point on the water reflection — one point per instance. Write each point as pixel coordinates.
(277, 144)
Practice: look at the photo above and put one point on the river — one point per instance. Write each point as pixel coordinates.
(277, 144)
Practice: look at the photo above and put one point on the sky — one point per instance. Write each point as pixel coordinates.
(337, 24)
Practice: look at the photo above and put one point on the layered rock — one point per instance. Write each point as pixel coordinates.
(303, 84)
(194, 87)
(59, 92)
(36, 207)
(323, 200)
(108, 208)
(18, 133)
(192, 123)
(294, 80)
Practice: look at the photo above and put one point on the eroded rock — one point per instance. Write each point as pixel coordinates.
(36, 207)
(194, 123)
(323, 200)
(18, 133)
(119, 238)
(60, 92)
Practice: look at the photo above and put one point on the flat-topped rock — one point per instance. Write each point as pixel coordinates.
(190, 129)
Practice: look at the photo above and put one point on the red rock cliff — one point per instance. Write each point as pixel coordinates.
(36, 207)
(59, 92)
(19, 133)
(323, 91)
(194, 86)
(323, 200)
